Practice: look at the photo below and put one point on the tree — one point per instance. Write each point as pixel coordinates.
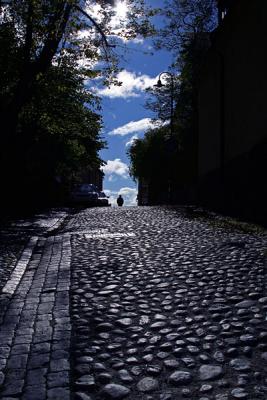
(185, 20)
(186, 34)
(51, 123)
(73, 127)
(46, 30)
(154, 159)
(60, 136)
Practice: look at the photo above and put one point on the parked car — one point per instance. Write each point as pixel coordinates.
(103, 200)
(85, 194)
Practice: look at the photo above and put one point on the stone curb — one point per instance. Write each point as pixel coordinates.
(20, 267)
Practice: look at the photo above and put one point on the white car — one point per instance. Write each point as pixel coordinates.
(103, 200)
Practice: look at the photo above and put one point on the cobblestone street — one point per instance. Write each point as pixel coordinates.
(138, 303)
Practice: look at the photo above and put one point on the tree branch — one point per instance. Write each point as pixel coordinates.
(52, 42)
(96, 25)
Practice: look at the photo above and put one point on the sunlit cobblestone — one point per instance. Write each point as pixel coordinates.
(137, 303)
(176, 311)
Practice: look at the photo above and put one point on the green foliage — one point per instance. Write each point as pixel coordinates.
(51, 123)
(50, 128)
(160, 98)
(71, 128)
(185, 33)
(147, 155)
(58, 134)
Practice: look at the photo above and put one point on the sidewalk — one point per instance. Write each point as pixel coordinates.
(16, 234)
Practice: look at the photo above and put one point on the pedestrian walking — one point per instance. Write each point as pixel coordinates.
(120, 200)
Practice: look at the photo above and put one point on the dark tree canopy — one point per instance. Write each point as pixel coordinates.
(186, 33)
(51, 123)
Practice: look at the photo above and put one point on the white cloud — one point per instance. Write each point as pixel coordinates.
(118, 10)
(131, 140)
(132, 85)
(84, 34)
(112, 178)
(132, 127)
(115, 167)
(128, 194)
(118, 20)
(137, 40)
(141, 125)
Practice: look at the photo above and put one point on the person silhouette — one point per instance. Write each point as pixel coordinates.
(120, 200)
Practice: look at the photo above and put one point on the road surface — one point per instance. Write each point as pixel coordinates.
(136, 303)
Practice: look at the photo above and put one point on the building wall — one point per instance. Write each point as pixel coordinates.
(209, 121)
(233, 87)
(232, 112)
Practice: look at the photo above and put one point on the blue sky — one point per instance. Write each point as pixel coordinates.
(124, 115)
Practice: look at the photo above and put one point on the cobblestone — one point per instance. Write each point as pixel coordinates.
(170, 312)
(136, 303)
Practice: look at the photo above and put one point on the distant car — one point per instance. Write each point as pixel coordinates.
(85, 194)
(103, 200)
